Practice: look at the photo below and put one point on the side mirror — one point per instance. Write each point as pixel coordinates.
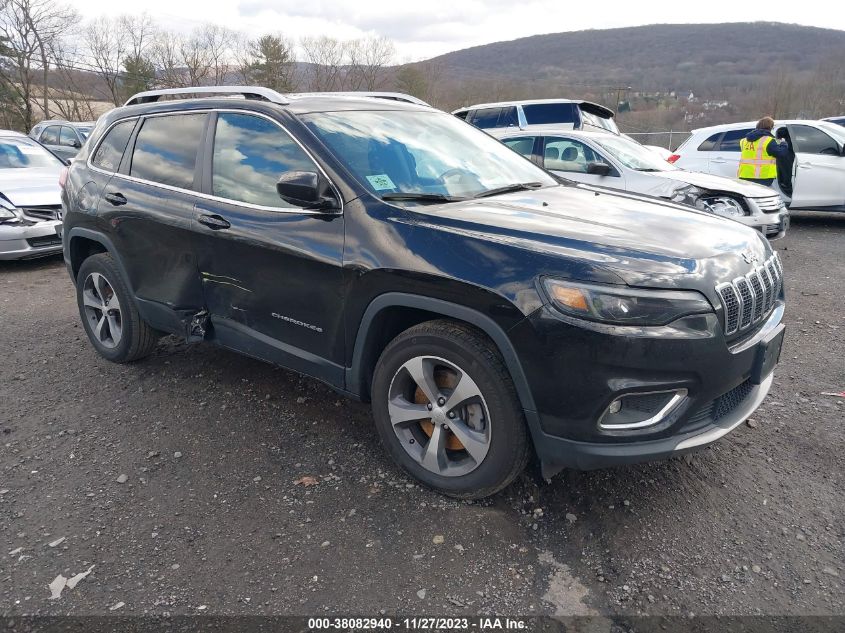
(306, 189)
(598, 169)
(76, 144)
(67, 161)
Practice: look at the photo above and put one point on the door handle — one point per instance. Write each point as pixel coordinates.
(116, 199)
(718, 161)
(214, 222)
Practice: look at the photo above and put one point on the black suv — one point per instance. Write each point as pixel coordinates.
(406, 258)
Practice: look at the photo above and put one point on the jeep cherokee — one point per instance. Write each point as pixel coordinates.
(408, 259)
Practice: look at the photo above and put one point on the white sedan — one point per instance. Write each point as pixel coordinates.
(814, 178)
(617, 162)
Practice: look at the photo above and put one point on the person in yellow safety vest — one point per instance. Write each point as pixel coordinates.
(760, 151)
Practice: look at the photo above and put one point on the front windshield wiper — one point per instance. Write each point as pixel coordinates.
(517, 186)
(423, 197)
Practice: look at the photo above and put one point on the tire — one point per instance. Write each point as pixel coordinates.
(482, 442)
(121, 336)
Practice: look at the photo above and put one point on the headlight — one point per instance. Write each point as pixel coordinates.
(624, 306)
(6, 215)
(721, 205)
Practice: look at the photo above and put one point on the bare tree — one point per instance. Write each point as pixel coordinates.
(166, 57)
(107, 46)
(29, 29)
(367, 59)
(70, 90)
(325, 57)
(218, 42)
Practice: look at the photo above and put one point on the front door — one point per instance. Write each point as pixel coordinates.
(819, 172)
(570, 158)
(271, 271)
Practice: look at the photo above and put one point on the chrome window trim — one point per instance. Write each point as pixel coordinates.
(206, 196)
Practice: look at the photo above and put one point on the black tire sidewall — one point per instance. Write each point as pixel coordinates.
(104, 265)
(508, 432)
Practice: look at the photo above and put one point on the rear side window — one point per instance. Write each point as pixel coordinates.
(166, 149)
(67, 137)
(110, 150)
(731, 139)
(486, 118)
(524, 145)
(250, 153)
(545, 113)
(50, 135)
(709, 145)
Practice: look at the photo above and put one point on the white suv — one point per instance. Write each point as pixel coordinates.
(816, 178)
(558, 113)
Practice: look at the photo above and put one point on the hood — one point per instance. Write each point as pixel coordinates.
(31, 187)
(640, 240)
(714, 183)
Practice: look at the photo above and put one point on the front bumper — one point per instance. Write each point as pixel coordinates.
(575, 373)
(772, 225)
(29, 240)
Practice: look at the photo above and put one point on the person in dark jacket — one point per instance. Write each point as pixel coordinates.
(760, 152)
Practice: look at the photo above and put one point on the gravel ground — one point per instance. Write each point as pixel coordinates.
(201, 481)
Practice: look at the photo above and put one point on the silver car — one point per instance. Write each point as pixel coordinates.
(619, 162)
(63, 138)
(30, 202)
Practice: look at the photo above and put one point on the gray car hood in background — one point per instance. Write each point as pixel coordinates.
(31, 187)
(717, 183)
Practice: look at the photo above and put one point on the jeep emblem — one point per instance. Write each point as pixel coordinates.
(749, 257)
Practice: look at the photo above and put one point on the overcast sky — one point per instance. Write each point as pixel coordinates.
(425, 28)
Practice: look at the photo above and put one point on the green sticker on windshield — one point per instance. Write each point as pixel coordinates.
(380, 182)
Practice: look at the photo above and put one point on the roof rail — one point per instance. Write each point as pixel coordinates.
(248, 92)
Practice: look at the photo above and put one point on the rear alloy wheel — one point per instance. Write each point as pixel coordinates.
(447, 411)
(108, 313)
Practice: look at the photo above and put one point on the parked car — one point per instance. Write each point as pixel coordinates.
(619, 162)
(839, 120)
(559, 113)
(30, 201)
(413, 261)
(63, 138)
(817, 180)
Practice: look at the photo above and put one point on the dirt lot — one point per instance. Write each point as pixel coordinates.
(211, 519)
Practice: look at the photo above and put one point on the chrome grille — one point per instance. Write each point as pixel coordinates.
(771, 204)
(747, 300)
(42, 213)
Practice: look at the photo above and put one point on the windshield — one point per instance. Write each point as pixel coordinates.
(599, 121)
(633, 155)
(18, 153)
(425, 152)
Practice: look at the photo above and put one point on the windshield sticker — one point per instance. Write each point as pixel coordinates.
(381, 182)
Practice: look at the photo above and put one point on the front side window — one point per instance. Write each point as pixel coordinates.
(811, 140)
(110, 150)
(564, 154)
(250, 153)
(50, 136)
(731, 139)
(67, 137)
(523, 145)
(166, 149)
(421, 152)
(17, 153)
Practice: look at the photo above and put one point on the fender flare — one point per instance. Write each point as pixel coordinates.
(105, 242)
(447, 309)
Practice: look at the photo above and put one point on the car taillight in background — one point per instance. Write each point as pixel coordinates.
(63, 178)
(673, 158)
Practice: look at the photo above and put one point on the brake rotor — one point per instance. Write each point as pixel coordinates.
(444, 379)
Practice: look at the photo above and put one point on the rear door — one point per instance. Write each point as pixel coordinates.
(148, 206)
(697, 157)
(271, 272)
(819, 173)
(724, 159)
(50, 138)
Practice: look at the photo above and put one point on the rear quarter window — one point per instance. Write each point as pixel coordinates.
(111, 148)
